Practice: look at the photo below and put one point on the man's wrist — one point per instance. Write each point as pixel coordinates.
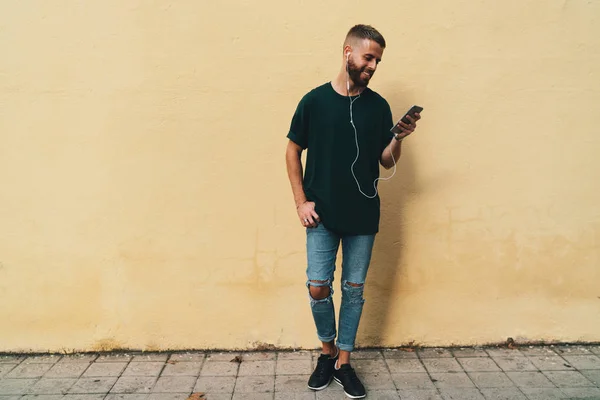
(299, 203)
(398, 138)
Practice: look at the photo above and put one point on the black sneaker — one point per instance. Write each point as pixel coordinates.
(321, 376)
(346, 378)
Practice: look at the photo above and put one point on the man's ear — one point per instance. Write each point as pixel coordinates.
(347, 51)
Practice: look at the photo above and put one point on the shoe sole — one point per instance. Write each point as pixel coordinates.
(352, 397)
(320, 388)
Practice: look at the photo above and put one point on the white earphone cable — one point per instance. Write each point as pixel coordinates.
(356, 141)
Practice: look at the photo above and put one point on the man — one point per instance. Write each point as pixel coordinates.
(346, 128)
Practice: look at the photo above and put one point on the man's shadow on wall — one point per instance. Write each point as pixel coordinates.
(382, 288)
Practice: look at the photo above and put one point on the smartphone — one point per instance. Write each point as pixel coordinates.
(413, 110)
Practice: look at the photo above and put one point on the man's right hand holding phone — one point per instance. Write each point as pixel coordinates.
(404, 129)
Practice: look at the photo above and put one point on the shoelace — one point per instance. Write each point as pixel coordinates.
(351, 374)
(322, 365)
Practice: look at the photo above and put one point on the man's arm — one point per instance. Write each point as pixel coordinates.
(306, 209)
(394, 147)
(294, 170)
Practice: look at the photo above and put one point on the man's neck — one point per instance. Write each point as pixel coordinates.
(340, 85)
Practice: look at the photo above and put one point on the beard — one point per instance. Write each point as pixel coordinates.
(356, 75)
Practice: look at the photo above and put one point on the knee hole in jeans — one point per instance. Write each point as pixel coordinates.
(354, 284)
(319, 292)
(353, 292)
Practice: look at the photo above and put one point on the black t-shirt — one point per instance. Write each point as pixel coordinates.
(322, 125)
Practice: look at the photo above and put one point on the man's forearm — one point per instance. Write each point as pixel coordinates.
(394, 147)
(294, 169)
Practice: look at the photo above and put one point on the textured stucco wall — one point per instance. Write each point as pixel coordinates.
(145, 204)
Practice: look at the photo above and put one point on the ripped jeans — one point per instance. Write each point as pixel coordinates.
(322, 247)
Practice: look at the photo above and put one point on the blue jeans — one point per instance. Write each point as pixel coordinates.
(322, 247)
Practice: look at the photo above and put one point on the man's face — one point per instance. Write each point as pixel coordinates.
(363, 61)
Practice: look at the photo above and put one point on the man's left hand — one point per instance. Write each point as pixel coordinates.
(407, 129)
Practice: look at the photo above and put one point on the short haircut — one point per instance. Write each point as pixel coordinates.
(365, 32)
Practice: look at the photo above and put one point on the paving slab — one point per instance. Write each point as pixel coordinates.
(479, 373)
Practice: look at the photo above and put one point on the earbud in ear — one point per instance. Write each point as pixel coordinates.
(347, 56)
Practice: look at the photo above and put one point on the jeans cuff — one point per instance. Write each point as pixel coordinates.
(345, 347)
(326, 339)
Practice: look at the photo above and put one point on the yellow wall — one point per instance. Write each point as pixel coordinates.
(145, 202)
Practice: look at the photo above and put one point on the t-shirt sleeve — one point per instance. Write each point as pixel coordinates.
(299, 127)
(387, 124)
